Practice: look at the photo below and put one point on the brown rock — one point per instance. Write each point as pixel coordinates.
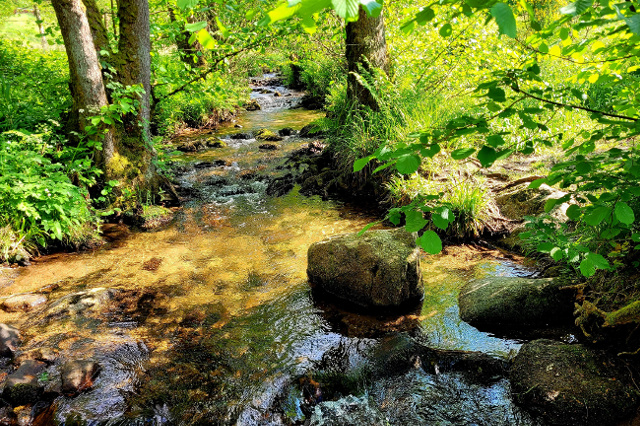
(22, 386)
(24, 302)
(47, 355)
(268, 146)
(78, 376)
(9, 339)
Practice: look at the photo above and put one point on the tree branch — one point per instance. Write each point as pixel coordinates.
(204, 73)
(606, 114)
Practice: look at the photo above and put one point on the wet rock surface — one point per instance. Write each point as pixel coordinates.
(24, 302)
(82, 303)
(513, 302)
(79, 376)
(9, 340)
(572, 384)
(377, 269)
(23, 385)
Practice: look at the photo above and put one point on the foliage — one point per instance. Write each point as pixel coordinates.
(38, 201)
(33, 87)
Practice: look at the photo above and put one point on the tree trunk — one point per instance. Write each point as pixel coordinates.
(43, 39)
(98, 29)
(133, 158)
(87, 87)
(367, 47)
(192, 54)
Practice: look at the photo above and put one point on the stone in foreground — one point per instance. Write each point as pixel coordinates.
(512, 302)
(24, 302)
(572, 384)
(377, 269)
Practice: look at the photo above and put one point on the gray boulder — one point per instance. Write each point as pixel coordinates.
(572, 384)
(512, 302)
(377, 269)
(78, 376)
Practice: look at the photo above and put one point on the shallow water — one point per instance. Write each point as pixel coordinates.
(224, 328)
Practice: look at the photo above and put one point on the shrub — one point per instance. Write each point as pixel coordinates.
(38, 202)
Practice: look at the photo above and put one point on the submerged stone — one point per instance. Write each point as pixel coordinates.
(377, 269)
(79, 375)
(572, 384)
(9, 340)
(512, 302)
(24, 302)
(22, 386)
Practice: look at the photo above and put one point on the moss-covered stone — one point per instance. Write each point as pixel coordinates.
(572, 384)
(511, 302)
(377, 269)
(267, 135)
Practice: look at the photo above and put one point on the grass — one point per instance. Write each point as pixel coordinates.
(22, 28)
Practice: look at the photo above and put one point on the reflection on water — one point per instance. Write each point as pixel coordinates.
(211, 319)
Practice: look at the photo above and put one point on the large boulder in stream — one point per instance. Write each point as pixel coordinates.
(377, 269)
(572, 384)
(513, 302)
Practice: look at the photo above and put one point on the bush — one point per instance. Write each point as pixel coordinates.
(33, 87)
(38, 202)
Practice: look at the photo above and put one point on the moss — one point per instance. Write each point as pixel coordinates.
(117, 166)
(628, 314)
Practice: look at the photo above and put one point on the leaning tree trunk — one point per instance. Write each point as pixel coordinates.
(87, 86)
(366, 47)
(132, 159)
(98, 28)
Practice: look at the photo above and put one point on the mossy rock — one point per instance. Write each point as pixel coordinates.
(512, 302)
(267, 135)
(572, 384)
(216, 143)
(377, 269)
(523, 201)
(252, 105)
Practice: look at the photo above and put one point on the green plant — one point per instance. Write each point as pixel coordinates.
(38, 202)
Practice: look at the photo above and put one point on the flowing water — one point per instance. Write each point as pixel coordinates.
(210, 319)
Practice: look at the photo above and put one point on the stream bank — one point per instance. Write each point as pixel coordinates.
(209, 319)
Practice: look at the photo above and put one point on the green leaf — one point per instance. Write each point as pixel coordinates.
(497, 94)
(425, 15)
(408, 163)
(634, 23)
(205, 39)
(430, 150)
(591, 262)
(430, 242)
(195, 26)
(347, 9)
(187, 4)
(595, 217)
(576, 8)
(624, 213)
(462, 153)
(368, 226)
(360, 163)
(503, 15)
(440, 221)
(487, 156)
(446, 30)
(536, 183)
(556, 254)
(223, 30)
(394, 216)
(373, 8)
(545, 247)
(550, 204)
(495, 141)
(414, 221)
(564, 33)
(574, 212)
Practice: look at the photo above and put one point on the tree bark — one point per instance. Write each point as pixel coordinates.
(188, 52)
(87, 86)
(98, 29)
(366, 47)
(43, 39)
(133, 160)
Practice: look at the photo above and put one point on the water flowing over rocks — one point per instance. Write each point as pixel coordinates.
(513, 302)
(572, 384)
(377, 269)
(351, 410)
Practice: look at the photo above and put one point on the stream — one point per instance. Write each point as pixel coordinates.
(210, 319)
